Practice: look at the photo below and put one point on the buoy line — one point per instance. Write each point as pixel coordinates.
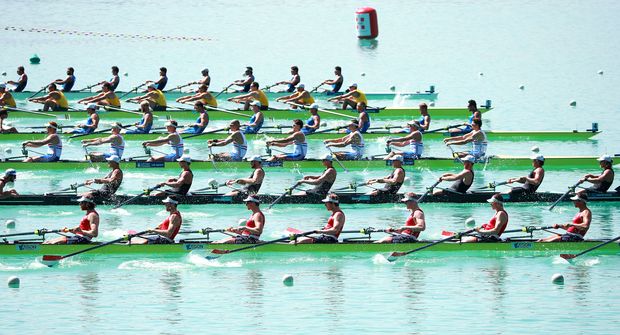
(105, 34)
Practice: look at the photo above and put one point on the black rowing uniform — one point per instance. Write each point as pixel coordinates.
(109, 189)
(527, 188)
(321, 189)
(394, 187)
(460, 186)
(183, 189)
(603, 186)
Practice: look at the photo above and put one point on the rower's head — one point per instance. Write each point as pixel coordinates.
(113, 161)
(301, 87)
(199, 106)
(106, 87)
(115, 70)
(331, 201)
(423, 108)
(327, 160)
(52, 87)
(171, 204)
(151, 87)
(171, 126)
(255, 161)
(468, 162)
(410, 200)
(414, 126)
(337, 70)
(353, 126)
(496, 201)
(314, 108)
(86, 203)
(184, 162)
(2, 87)
(538, 160)
(20, 70)
(472, 106)
(252, 202)
(605, 161)
(10, 175)
(145, 107)
(256, 105)
(70, 71)
(116, 127)
(52, 127)
(360, 107)
(248, 71)
(254, 86)
(205, 72)
(353, 87)
(580, 200)
(476, 124)
(163, 71)
(397, 161)
(297, 124)
(203, 88)
(294, 69)
(234, 125)
(92, 108)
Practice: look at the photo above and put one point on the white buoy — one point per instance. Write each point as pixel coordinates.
(125, 74)
(522, 87)
(432, 104)
(10, 224)
(557, 278)
(13, 282)
(600, 72)
(287, 280)
(573, 103)
(392, 88)
(470, 222)
(535, 149)
(363, 74)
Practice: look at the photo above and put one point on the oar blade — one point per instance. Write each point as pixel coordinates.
(568, 256)
(447, 233)
(51, 260)
(393, 256)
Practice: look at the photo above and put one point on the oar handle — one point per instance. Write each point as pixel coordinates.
(124, 238)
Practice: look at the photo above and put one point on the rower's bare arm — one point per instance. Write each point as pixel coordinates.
(175, 222)
(259, 220)
(338, 224)
(40, 143)
(158, 142)
(94, 226)
(113, 177)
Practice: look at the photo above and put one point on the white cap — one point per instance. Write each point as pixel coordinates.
(397, 158)
(414, 124)
(184, 158)
(353, 85)
(314, 106)
(171, 124)
(354, 123)
(92, 106)
(331, 198)
(10, 172)
(152, 86)
(301, 86)
(580, 197)
(116, 125)
(469, 158)
(49, 124)
(256, 103)
(538, 158)
(327, 157)
(2, 85)
(255, 158)
(169, 200)
(251, 198)
(85, 199)
(605, 158)
(409, 197)
(113, 158)
(494, 199)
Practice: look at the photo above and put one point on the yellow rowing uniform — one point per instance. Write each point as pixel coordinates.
(160, 99)
(262, 98)
(62, 100)
(361, 97)
(209, 100)
(8, 100)
(114, 102)
(307, 100)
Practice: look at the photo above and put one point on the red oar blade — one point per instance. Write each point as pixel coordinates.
(293, 230)
(394, 256)
(447, 233)
(215, 253)
(568, 256)
(50, 260)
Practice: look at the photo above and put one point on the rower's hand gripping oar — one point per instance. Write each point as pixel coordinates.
(571, 256)
(216, 253)
(286, 191)
(570, 189)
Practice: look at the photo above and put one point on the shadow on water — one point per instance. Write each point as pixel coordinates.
(171, 288)
(89, 294)
(414, 291)
(334, 303)
(254, 284)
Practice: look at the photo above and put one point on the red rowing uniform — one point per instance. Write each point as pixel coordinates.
(164, 225)
(330, 224)
(577, 230)
(85, 222)
(491, 224)
(250, 223)
(411, 221)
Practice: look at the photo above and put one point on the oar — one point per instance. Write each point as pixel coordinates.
(223, 90)
(93, 133)
(316, 87)
(51, 260)
(526, 229)
(73, 187)
(31, 112)
(212, 158)
(37, 92)
(570, 189)
(216, 253)
(454, 154)
(227, 111)
(131, 90)
(145, 192)
(493, 185)
(327, 130)
(286, 191)
(320, 110)
(128, 111)
(442, 128)
(336, 158)
(266, 88)
(571, 256)
(88, 87)
(207, 132)
(428, 190)
(38, 232)
(203, 231)
(213, 185)
(178, 87)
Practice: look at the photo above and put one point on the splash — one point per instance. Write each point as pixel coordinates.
(152, 265)
(380, 259)
(199, 260)
(120, 212)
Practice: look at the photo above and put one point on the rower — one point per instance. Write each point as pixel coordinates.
(203, 95)
(6, 128)
(297, 139)
(336, 83)
(245, 83)
(335, 223)
(88, 228)
(477, 137)
(201, 122)
(351, 98)
(21, 82)
(301, 97)
(472, 106)
(53, 142)
(173, 139)
(179, 186)
(6, 98)
(255, 94)
(314, 121)
(166, 231)
(107, 97)
(413, 139)
(146, 122)
(154, 97)
(116, 141)
(237, 138)
(492, 231)
(393, 182)
(323, 183)
(256, 120)
(114, 81)
(90, 125)
(55, 100)
(293, 81)
(67, 83)
(354, 139)
(532, 181)
(425, 117)
(252, 184)
(602, 182)
(577, 229)
(205, 80)
(462, 181)
(111, 182)
(415, 224)
(363, 119)
(160, 83)
(250, 232)
(7, 180)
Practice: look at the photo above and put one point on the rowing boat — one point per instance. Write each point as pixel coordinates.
(495, 162)
(173, 95)
(499, 135)
(345, 198)
(388, 113)
(515, 247)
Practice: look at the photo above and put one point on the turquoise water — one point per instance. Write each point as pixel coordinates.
(554, 49)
